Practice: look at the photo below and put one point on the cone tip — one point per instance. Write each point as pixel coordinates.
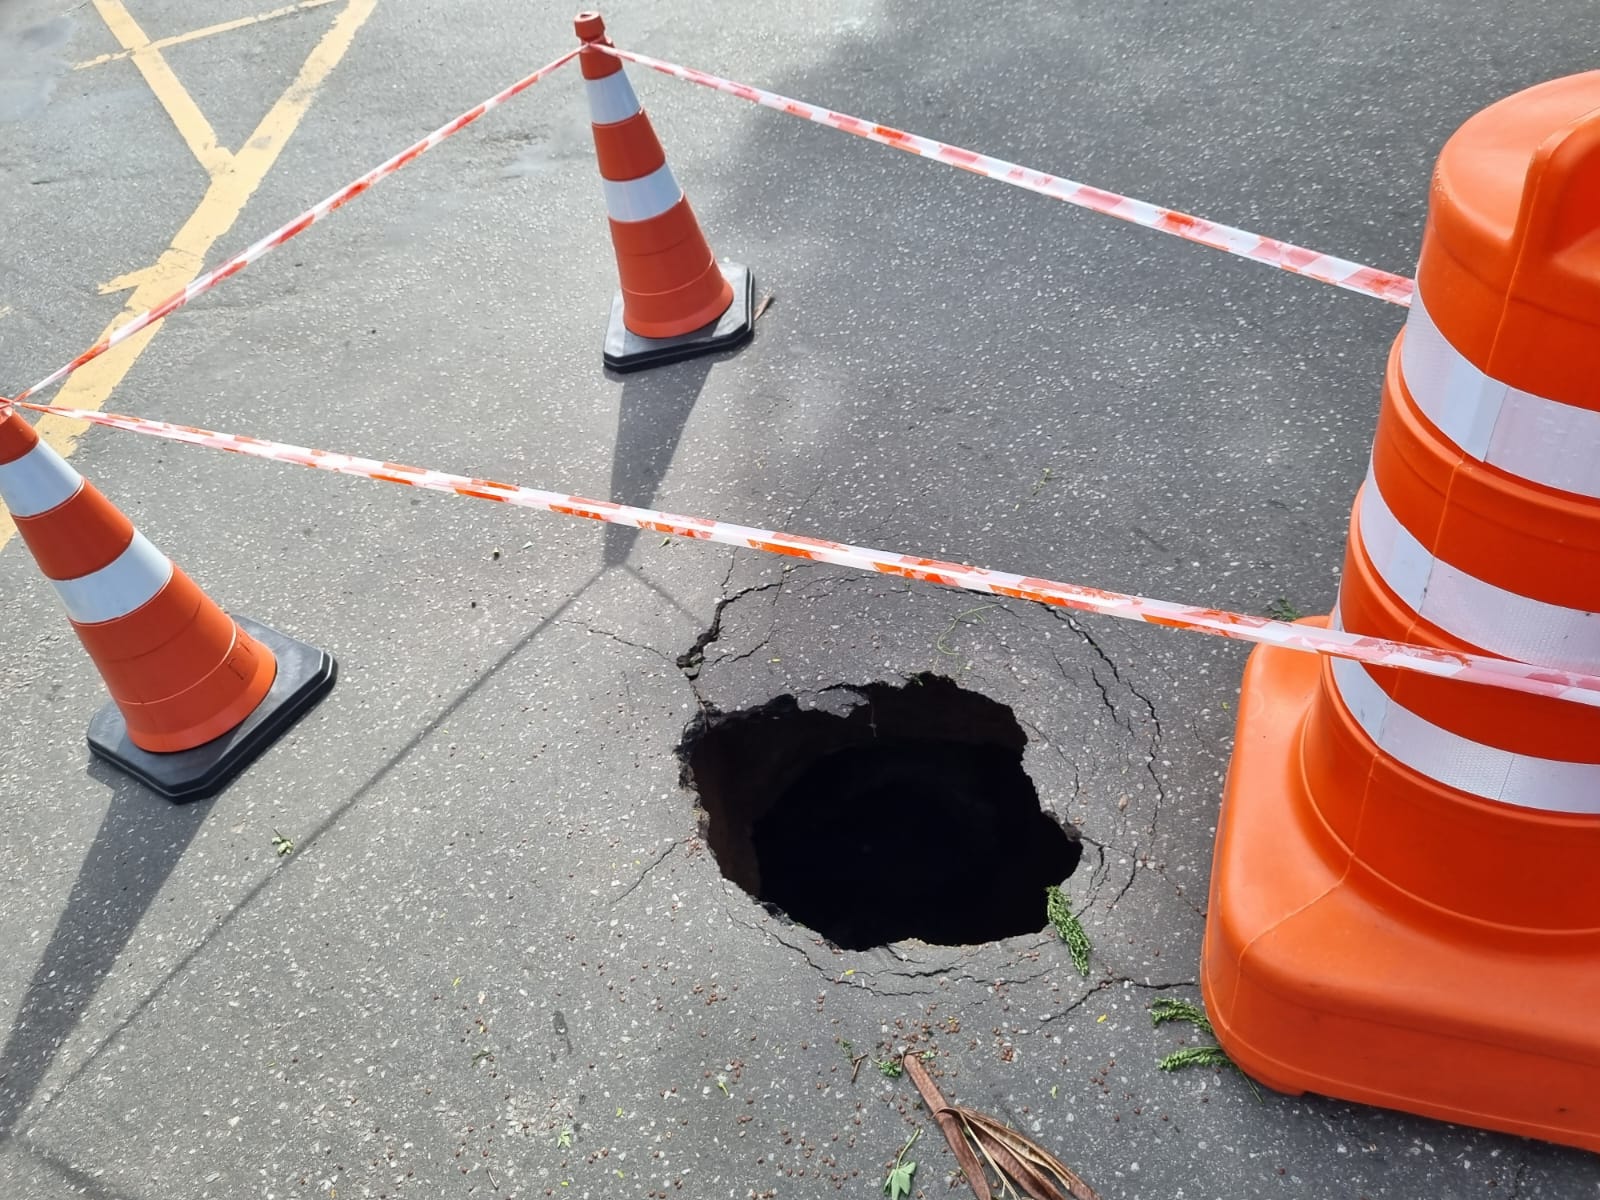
(16, 435)
(589, 25)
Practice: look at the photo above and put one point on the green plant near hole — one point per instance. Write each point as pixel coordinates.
(899, 1182)
(564, 1139)
(1281, 610)
(1068, 926)
(284, 846)
(969, 617)
(1172, 1009)
(1196, 1056)
(1038, 486)
(890, 1068)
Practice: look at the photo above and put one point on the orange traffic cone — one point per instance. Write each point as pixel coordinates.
(676, 300)
(194, 696)
(1405, 904)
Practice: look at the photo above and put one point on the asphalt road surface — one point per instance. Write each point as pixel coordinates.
(501, 959)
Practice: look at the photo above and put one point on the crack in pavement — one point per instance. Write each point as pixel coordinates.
(1516, 1180)
(776, 587)
(1100, 873)
(1151, 758)
(819, 586)
(871, 979)
(768, 931)
(617, 637)
(794, 517)
(867, 983)
(1050, 743)
(692, 660)
(930, 973)
(645, 874)
(1015, 981)
(1107, 983)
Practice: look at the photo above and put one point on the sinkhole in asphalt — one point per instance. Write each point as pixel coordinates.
(904, 813)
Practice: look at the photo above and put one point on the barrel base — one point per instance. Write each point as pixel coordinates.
(305, 675)
(1320, 978)
(627, 351)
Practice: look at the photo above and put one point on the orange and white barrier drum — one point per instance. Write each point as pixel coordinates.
(1405, 904)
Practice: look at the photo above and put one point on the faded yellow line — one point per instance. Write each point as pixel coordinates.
(218, 209)
(195, 35)
(186, 115)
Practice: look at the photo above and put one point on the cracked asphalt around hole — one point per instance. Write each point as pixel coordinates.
(499, 961)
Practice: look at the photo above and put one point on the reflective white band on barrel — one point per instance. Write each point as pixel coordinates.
(129, 581)
(1490, 618)
(640, 199)
(1541, 440)
(611, 99)
(37, 482)
(1455, 761)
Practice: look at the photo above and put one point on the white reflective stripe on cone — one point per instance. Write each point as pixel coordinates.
(1448, 758)
(1525, 435)
(129, 581)
(640, 199)
(37, 482)
(1490, 618)
(611, 99)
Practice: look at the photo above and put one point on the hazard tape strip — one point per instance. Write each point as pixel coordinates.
(1475, 668)
(299, 225)
(1368, 281)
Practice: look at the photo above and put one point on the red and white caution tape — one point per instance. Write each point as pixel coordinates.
(1369, 281)
(1475, 668)
(299, 225)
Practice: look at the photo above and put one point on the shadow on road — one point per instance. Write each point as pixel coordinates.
(135, 850)
(133, 854)
(651, 417)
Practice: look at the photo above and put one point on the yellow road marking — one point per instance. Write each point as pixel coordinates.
(224, 199)
(185, 114)
(195, 35)
(123, 282)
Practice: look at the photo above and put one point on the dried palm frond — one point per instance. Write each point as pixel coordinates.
(1024, 1168)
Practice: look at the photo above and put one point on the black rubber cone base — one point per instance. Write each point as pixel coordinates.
(627, 351)
(305, 675)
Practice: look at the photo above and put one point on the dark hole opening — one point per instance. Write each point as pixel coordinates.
(908, 815)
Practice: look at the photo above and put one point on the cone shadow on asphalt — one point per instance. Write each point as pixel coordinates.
(135, 850)
(81, 1182)
(651, 416)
